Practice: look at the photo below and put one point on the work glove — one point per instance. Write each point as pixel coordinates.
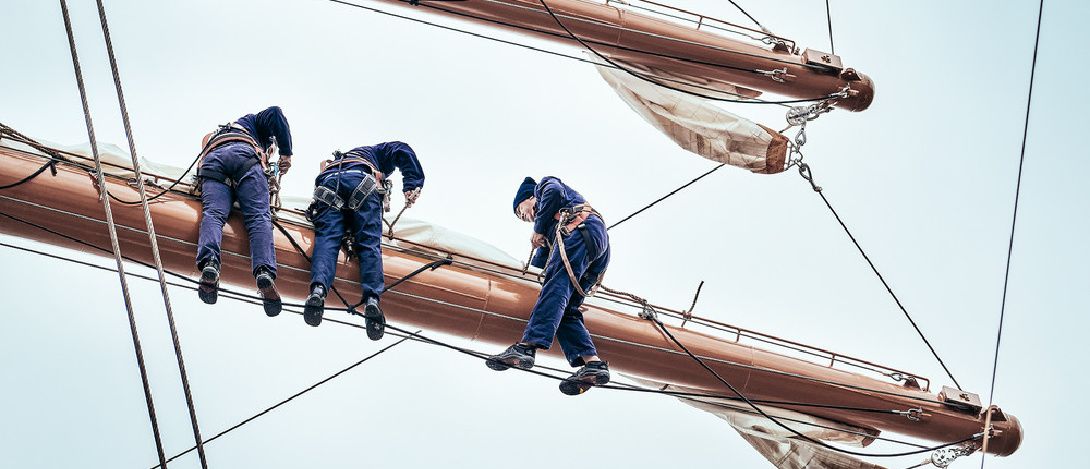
(411, 196)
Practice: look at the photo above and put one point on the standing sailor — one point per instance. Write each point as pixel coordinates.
(234, 165)
(350, 195)
(572, 245)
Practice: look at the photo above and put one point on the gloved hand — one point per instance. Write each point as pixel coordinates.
(284, 163)
(411, 196)
(537, 240)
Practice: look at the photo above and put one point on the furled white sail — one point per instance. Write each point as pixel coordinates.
(701, 127)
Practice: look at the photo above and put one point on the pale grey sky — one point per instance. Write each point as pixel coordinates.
(925, 178)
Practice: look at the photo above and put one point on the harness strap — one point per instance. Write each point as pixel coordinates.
(222, 136)
(569, 220)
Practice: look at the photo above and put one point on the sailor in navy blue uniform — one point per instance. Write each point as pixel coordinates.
(233, 168)
(349, 197)
(572, 245)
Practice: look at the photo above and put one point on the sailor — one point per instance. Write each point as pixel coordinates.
(570, 242)
(350, 195)
(233, 167)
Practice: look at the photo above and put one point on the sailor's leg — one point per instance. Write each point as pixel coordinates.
(328, 231)
(573, 336)
(367, 240)
(366, 227)
(555, 293)
(253, 199)
(216, 201)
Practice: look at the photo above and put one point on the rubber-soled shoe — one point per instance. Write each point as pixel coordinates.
(518, 355)
(270, 298)
(208, 288)
(314, 306)
(595, 373)
(373, 319)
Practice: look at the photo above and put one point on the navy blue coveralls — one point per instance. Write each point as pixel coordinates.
(365, 224)
(556, 312)
(237, 162)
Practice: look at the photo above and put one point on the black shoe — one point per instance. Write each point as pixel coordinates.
(373, 319)
(270, 298)
(315, 306)
(208, 288)
(518, 355)
(595, 373)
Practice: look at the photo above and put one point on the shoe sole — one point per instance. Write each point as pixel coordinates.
(208, 290)
(270, 298)
(575, 387)
(374, 321)
(313, 310)
(501, 365)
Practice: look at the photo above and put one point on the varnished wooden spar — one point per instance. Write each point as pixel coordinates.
(451, 299)
(671, 49)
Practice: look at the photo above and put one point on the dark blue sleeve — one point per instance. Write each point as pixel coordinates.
(549, 195)
(404, 158)
(541, 255)
(273, 123)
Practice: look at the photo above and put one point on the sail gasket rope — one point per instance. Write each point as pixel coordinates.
(112, 230)
(152, 241)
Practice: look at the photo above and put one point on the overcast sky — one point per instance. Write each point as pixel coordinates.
(925, 178)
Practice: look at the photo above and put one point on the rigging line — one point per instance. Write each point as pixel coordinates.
(255, 300)
(654, 82)
(293, 396)
(829, 19)
(112, 229)
(780, 424)
(660, 199)
(152, 240)
(888, 288)
(51, 166)
(744, 12)
(1014, 215)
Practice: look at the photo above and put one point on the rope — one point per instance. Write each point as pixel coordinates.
(152, 240)
(51, 166)
(255, 300)
(1014, 218)
(290, 398)
(390, 225)
(112, 229)
(751, 18)
(660, 199)
(881, 278)
(829, 19)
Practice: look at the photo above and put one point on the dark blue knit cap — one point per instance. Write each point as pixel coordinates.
(526, 190)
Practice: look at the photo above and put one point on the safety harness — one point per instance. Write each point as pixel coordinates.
(225, 134)
(568, 221)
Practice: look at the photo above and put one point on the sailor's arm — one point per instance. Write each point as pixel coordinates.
(404, 159)
(272, 120)
(548, 194)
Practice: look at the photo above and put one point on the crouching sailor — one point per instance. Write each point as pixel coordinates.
(573, 247)
(350, 195)
(233, 165)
